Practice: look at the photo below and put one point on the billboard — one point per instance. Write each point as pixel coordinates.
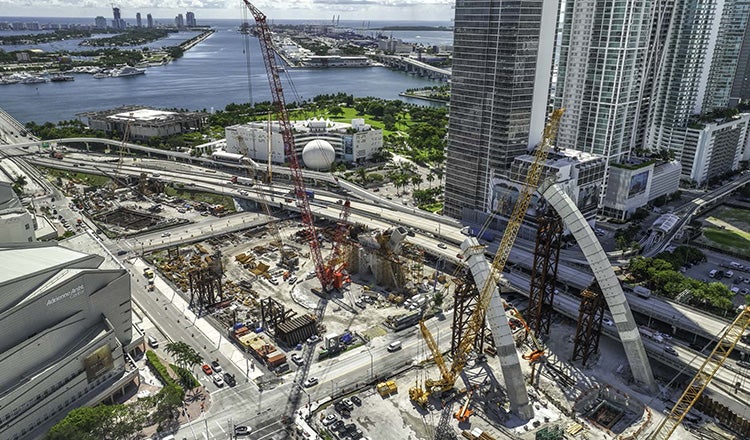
(638, 183)
(504, 196)
(98, 362)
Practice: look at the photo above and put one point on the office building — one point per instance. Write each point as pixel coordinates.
(67, 331)
(579, 174)
(733, 17)
(634, 184)
(190, 19)
(179, 21)
(502, 62)
(713, 147)
(138, 19)
(603, 54)
(149, 21)
(100, 22)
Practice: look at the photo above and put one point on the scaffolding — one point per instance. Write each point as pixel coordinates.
(590, 315)
(544, 272)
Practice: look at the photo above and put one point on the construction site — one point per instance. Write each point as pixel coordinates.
(295, 291)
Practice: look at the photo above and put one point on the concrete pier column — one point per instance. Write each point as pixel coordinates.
(610, 285)
(510, 364)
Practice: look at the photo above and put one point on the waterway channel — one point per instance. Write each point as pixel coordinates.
(209, 76)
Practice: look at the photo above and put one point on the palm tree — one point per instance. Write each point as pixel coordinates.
(184, 354)
(416, 180)
(430, 178)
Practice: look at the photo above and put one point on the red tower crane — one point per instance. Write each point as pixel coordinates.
(325, 275)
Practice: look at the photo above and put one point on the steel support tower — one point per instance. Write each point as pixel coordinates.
(465, 297)
(544, 272)
(590, 315)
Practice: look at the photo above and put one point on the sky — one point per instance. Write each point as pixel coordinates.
(406, 10)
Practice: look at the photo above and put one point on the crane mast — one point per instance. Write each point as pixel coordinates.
(476, 320)
(277, 94)
(704, 376)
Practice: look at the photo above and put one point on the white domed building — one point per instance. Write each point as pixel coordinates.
(318, 142)
(318, 155)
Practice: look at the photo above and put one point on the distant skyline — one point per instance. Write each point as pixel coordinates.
(402, 10)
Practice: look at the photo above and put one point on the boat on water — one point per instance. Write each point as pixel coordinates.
(61, 78)
(34, 80)
(127, 71)
(100, 75)
(8, 80)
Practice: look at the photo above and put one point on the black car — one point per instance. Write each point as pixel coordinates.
(356, 400)
(337, 425)
(229, 379)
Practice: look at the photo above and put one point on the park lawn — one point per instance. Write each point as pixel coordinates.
(351, 113)
(739, 218)
(737, 240)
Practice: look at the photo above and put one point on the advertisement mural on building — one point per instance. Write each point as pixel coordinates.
(504, 195)
(98, 362)
(638, 183)
(588, 197)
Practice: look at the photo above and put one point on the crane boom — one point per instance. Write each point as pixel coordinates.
(277, 94)
(703, 377)
(476, 320)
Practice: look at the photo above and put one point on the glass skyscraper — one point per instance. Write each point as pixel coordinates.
(502, 63)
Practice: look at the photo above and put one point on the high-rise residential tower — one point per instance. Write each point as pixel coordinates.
(138, 19)
(117, 21)
(190, 19)
(733, 17)
(149, 20)
(603, 54)
(502, 63)
(100, 22)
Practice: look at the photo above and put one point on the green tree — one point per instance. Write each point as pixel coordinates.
(416, 180)
(183, 354)
(430, 178)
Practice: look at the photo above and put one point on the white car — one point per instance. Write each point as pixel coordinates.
(310, 381)
(166, 234)
(297, 359)
(218, 380)
(313, 339)
(330, 418)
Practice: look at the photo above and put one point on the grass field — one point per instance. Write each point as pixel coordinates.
(88, 179)
(728, 228)
(351, 113)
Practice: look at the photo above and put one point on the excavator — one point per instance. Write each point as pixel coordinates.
(477, 319)
(463, 413)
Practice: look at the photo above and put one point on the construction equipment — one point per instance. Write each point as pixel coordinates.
(477, 319)
(463, 413)
(277, 93)
(703, 377)
(327, 273)
(339, 257)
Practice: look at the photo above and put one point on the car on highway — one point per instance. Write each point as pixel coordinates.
(310, 381)
(215, 365)
(218, 380)
(607, 321)
(442, 246)
(166, 234)
(207, 369)
(241, 431)
(297, 359)
(122, 252)
(669, 349)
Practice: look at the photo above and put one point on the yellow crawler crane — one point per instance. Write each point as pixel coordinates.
(703, 377)
(476, 321)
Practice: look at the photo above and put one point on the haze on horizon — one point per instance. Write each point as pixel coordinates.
(358, 10)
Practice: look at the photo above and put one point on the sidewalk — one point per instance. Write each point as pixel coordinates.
(223, 345)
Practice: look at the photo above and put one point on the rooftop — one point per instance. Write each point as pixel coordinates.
(37, 259)
(144, 114)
